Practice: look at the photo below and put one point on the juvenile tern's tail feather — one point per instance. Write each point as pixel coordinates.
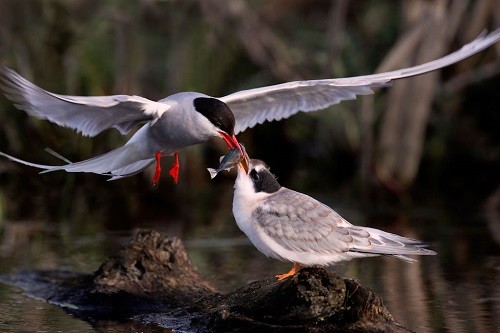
(385, 243)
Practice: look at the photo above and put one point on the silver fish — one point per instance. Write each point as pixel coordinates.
(228, 161)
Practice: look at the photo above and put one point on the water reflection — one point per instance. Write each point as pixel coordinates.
(22, 314)
(456, 291)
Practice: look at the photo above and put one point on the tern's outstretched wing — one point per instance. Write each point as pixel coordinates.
(299, 223)
(87, 115)
(255, 106)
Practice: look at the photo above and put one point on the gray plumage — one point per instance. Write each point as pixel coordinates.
(172, 124)
(290, 225)
(255, 106)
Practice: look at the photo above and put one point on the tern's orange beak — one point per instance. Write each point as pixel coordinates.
(232, 142)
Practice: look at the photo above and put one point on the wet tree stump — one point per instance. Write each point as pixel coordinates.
(152, 283)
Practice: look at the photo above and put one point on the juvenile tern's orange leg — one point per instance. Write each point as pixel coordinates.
(174, 171)
(156, 176)
(296, 267)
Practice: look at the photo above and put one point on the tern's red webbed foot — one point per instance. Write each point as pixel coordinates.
(174, 170)
(156, 176)
(296, 267)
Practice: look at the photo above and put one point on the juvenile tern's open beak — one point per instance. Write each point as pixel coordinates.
(244, 165)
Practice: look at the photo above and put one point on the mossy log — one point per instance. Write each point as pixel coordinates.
(151, 282)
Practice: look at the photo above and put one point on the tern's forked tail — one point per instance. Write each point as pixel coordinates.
(20, 161)
(119, 163)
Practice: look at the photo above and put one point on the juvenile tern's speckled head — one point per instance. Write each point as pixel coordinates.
(288, 225)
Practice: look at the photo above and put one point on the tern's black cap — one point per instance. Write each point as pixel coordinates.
(217, 112)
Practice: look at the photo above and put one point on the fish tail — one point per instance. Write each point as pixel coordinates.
(212, 172)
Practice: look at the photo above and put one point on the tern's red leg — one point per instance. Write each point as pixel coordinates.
(296, 267)
(156, 176)
(174, 171)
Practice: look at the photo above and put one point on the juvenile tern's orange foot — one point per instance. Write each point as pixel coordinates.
(296, 267)
(174, 171)
(156, 176)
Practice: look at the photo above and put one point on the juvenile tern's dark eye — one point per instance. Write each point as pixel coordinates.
(264, 181)
(254, 175)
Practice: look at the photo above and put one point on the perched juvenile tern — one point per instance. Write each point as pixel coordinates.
(291, 226)
(189, 118)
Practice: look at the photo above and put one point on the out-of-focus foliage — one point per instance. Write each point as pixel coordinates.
(156, 48)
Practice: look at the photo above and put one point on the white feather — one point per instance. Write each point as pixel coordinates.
(255, 106)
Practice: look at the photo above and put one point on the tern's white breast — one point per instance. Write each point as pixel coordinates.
(245, 202)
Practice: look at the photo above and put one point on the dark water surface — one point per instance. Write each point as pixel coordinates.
(456, 291)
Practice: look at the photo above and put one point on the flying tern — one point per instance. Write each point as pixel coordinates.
(189, 118)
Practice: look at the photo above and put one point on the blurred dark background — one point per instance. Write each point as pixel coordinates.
(432, 139)
(421, 158)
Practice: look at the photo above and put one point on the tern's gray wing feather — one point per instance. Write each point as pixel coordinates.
(298, 222)
(255, 106)
(87, 115)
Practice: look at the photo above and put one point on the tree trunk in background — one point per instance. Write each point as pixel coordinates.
(402, 131)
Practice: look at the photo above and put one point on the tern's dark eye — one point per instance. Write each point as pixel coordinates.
(254, 175)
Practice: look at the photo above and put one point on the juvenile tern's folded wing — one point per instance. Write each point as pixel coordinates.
(299, 223)
(87, 115)
(255, 106)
